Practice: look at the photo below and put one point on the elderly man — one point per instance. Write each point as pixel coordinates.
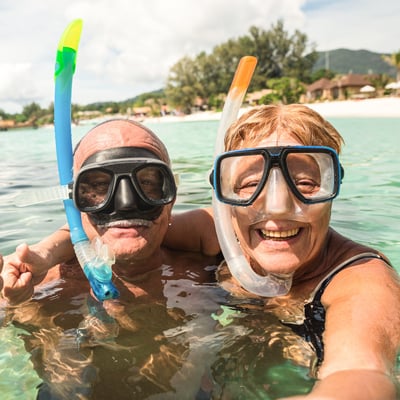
(125, 217)
(125, 190)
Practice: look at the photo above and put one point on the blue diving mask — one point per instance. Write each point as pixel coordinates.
(313, 173)
(126, 181)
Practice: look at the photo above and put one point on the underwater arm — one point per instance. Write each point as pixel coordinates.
(193, 231)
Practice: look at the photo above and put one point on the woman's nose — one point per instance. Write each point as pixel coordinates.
(276, 196)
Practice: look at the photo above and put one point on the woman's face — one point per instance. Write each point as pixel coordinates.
(279, 233)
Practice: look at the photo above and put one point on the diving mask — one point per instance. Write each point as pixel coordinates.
(313, 173)
(123, 175)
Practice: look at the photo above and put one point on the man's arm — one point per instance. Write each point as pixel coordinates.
(193, 231)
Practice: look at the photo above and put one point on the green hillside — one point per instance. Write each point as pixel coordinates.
(344, 61)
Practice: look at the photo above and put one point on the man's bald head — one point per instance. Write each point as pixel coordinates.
(118, 133)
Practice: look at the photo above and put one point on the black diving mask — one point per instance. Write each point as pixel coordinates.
(123, 179)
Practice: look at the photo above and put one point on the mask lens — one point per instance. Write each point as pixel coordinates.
(93, 189)
(155, 183)
(241, 177)
(312, 175)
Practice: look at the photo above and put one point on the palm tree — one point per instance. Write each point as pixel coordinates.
(394, 60)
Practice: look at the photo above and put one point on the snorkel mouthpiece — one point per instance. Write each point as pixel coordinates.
(271, 285)
(97, 267)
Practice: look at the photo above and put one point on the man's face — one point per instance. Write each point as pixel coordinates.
(125, 193)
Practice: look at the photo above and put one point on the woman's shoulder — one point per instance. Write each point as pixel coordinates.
(341, 249)
(359, 270)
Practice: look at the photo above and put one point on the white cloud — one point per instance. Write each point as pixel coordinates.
(355, 24)
(127, 47)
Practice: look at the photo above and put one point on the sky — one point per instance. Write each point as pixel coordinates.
(127, 47)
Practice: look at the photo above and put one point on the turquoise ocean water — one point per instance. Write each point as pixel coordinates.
(367, 210)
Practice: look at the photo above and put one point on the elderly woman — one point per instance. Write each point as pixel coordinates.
(279, 176)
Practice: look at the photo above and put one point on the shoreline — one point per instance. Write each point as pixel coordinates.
(383, 107)
(386, 107)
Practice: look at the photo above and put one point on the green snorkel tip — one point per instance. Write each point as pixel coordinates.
(68, 46)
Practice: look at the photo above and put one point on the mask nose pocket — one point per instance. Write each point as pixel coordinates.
(277, 194)
(125, 197)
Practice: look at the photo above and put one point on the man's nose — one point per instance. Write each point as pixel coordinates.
(125, 197)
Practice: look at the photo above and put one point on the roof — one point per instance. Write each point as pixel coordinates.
(350, 80)
(320, 84)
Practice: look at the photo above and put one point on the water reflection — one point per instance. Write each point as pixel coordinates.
(170, 346)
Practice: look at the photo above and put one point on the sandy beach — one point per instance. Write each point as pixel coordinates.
(380, 107)
(387, 107)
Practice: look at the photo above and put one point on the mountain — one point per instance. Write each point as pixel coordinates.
(344, 61)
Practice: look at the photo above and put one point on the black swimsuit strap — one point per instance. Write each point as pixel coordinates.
(313, 325)
(318, 292)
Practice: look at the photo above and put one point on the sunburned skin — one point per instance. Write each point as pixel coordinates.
(117, 228)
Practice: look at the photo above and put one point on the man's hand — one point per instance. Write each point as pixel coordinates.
(22, 270)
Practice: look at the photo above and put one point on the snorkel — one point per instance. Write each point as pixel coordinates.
(270, 285)
(95, 262)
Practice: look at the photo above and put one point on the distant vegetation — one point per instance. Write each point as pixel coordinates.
(279, 55)
(287, 63)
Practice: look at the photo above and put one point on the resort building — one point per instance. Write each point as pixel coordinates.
(341, 88)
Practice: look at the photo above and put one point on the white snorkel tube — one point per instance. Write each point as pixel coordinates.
(270, 285)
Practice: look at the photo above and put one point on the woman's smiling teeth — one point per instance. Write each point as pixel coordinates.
(278, 234)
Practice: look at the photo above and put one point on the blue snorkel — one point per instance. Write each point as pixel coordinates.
(96, 262)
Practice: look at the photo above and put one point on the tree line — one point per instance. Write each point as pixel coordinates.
(285, 65)
(284, 61)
